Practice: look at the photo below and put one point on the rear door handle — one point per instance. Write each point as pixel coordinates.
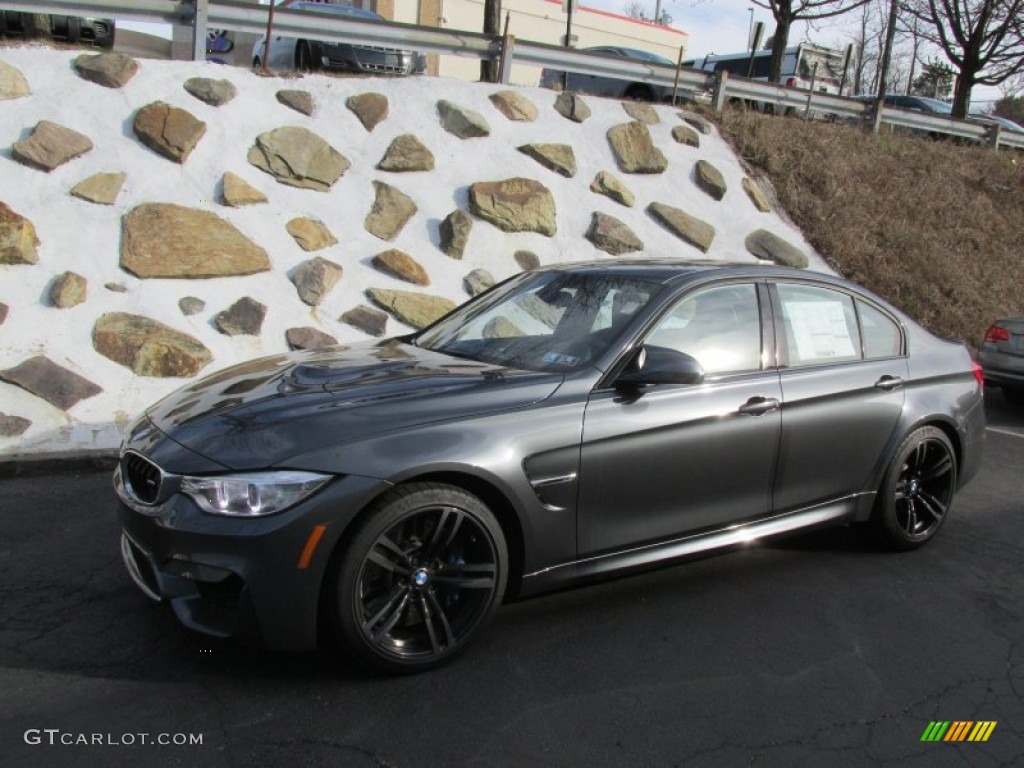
(889, 383)
(757, 406)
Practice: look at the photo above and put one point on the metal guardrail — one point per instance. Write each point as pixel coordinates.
(202, 15)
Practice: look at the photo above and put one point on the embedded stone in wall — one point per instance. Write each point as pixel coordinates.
(526, 259)
(514, 106)
(634, 149)
(683, 134)
(190, 305)
(116, 287)
(111, 70)
(555, 157)
(501, 328)
(687, 228)
(243, 318)
(698, 122)
(572, 106)
(53, 383)
(367, 319)
(236, 191)
(756, 195)
(401, 266)
(49, 146)
(415, 309)
(767, 245)
(612, 236)
(406, 153)
(608, 185)
(18, 239)
(461, 121)
(645, 113)
(709, 179)
(13, 84)
(478, 281)
(315, 278)
(454, 231)
(370, 108)
(298, 157)
(216, 93)
(68, 290)
(390, 212)
(166, 240)
(12, 426)
(4, 310)
(308, 338)
(300, 101)
(100, 188)
(169, 131)
(147, 347)
(310, 234)
(514, 205)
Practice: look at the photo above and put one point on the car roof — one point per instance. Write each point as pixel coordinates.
(663, 270)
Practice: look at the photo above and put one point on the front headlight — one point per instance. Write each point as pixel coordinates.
(252, 494)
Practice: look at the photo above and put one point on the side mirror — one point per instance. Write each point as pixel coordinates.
(660, 365)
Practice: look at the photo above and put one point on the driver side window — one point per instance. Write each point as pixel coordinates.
(720, 327)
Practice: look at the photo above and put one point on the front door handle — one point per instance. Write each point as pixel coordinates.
(757, 406)
(889, 383)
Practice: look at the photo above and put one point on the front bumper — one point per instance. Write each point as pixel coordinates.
(371, 60)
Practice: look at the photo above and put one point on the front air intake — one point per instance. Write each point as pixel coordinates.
(142, 477)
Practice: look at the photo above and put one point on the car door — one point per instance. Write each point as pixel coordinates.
(667, 460)
(842, 369)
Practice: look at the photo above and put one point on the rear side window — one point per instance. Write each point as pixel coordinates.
(820, 325)
(882, 336)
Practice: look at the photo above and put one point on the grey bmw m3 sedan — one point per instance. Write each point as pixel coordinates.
(572, 423)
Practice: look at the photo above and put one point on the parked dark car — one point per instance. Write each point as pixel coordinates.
(1002, 357)
(616, 87)
(66, 29)
(572, 423)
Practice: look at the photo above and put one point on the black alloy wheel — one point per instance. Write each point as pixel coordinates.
(918, 489)
(418, 578)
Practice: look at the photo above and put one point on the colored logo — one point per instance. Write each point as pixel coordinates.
(959, 730)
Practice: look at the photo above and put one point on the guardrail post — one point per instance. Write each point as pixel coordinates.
(810, 91)
(199, 41)
(718, 95)
(679, 66)
(994, 132)
(508, 47)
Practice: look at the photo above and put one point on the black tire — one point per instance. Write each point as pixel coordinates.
(418, 577)
(637, 92)
(257, 64)
(917, 492)
(303, 57)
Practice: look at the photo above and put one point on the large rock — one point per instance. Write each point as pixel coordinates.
(13, 426)
(612, 236)
(478, 281)
(698, 122)
(514, 106)
(243, 318)
(168, 131)
(390, 212)
(315, 278)
(526, 259)
(684, 134)
(406, 153)
(301, 101)
(638, 110)
(757, 195)
(237, 192)
(165, 240)
(310, 234)
(454, 231)
(68, 290)
(100, 188)
(416, 309)
(606, 184)
(147, 347)
(555, 157)
(370, 108)
(49, 146)
(401, 266)
(4, 310)
(709, 179)
(634, 149)
(571, 106)
(18, 238)
(298, 157)
(13, 84)
(191, 305)
(687, 228)
(515, 205)
(56, 385)
(461, 121)
(308, 338)
(216, 93)
(111, 70)
(767, 245)
(367, 319)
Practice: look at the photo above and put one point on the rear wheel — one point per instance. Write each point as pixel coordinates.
(637, 92)
(303, 57)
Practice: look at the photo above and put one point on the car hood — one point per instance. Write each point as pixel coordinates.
(264, 412)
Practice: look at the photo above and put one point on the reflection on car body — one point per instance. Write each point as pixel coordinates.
(574, 422)
(616, 87)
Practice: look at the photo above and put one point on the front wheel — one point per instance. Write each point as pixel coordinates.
(917, 491)
(418, 578)
(303, 57)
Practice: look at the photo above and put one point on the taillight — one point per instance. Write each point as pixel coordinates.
(792, 82)
(996, 333)
(979, 375)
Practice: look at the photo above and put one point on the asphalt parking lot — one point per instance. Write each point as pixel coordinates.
(819, 650)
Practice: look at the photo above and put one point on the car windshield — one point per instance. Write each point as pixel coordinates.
(545, 321)
(341, 10)
(645, 56)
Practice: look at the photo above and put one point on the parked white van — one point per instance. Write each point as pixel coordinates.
(798, 67)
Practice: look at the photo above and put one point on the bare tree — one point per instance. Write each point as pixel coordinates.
(785, 12)
(983, 40)
(634, 9)
(492, 26)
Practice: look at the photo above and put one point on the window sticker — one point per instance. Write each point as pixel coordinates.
(820, 330)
